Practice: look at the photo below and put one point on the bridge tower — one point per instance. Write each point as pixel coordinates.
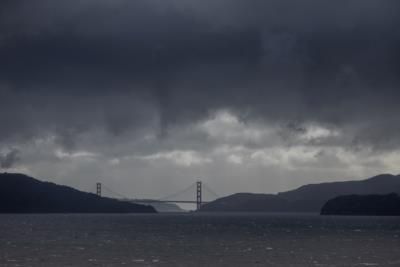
(198, 194)
(98, 189)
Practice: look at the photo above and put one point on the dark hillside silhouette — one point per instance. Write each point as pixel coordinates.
(307, 198)
(381, 205)
(23, 194)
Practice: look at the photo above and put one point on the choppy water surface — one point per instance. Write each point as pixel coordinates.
(198, 240)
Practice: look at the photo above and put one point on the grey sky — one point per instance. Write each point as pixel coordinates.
(147, 96)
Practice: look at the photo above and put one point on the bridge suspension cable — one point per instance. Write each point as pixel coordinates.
(197, 187)
(206, 187)
(114, 193)
(171, 196)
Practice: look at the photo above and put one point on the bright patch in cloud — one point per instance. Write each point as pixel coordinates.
(226, 127)
(74, 155)
(235, 159)
(316, 132)
(182, 158)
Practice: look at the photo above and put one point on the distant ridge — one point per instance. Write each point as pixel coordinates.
(158, 205)
(372, 205)
(20, 193)
(307, 198)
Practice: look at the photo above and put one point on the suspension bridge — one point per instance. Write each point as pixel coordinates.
(197, 190)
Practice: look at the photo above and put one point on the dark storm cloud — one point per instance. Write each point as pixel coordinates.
(9, 158)
(121, 66)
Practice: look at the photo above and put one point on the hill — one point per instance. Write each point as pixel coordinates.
(382, 205)
(23, 194)
(308, 198)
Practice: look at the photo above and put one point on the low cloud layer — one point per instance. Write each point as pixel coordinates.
(282, 92)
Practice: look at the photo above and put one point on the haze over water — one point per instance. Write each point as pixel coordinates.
(193, 239)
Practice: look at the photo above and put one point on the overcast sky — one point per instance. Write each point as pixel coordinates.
(147, 96)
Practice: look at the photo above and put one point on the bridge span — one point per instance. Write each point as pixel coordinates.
(198, 199)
